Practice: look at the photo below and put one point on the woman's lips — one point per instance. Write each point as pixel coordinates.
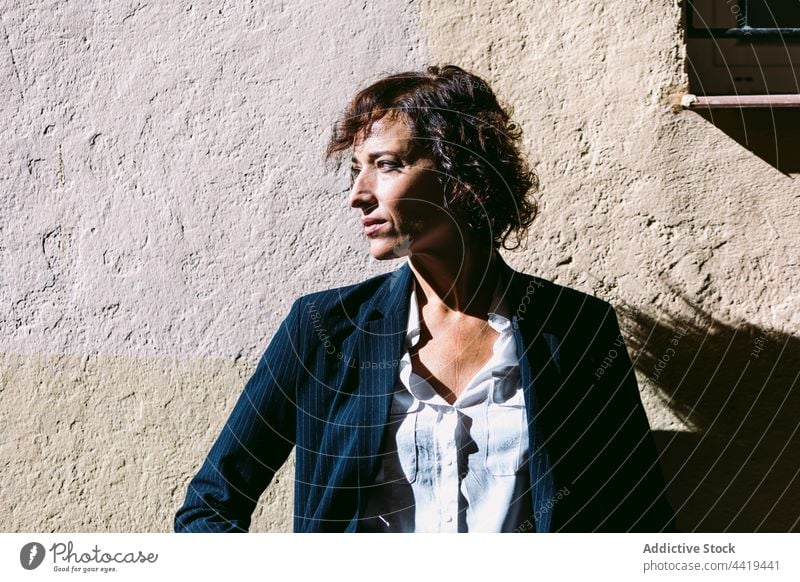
(371, 229)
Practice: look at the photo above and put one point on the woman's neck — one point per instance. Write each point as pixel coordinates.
(450, 283)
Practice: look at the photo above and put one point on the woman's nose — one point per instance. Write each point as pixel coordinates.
(361, 193)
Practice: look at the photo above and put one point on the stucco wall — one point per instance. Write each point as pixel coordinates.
(163, 200)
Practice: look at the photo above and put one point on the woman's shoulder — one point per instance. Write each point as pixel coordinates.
(344, 301)
(524, 292)
(527, 289)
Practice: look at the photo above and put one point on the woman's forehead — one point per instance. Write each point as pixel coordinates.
(385, 134)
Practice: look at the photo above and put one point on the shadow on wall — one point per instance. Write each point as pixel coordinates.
(770, 133)
(737, 386)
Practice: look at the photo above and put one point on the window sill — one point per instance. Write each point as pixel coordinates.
(739, 101)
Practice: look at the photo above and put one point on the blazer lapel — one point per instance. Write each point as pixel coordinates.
(381, 332)
(527, 320)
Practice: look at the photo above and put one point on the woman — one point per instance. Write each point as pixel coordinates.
(453, 394)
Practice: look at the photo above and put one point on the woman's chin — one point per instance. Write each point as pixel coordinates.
(385, 249)
(382, 254)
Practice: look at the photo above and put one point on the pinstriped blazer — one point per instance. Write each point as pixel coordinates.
(324, 386)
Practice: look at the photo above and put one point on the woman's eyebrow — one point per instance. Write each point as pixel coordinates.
(378, 154)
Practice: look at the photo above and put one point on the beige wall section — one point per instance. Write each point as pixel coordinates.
(636, 200)
(104, 443)
(163, 201)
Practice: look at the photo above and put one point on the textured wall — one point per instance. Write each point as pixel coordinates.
(163, 200)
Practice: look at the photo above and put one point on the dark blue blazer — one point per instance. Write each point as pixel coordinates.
(324, 385)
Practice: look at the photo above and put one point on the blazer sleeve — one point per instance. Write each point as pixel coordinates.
(635, 491)
(255, 441)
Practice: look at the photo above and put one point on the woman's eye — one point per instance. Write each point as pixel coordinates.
(386, 165)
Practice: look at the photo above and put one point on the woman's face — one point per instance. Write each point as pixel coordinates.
(396, 188)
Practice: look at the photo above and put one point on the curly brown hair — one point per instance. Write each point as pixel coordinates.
(456, 118)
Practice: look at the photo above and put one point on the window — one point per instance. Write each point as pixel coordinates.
(743, 52)
(744, 73)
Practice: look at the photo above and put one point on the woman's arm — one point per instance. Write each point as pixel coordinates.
(255, 442)
(635, 491)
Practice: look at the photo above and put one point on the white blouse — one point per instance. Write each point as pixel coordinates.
(459, 467)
